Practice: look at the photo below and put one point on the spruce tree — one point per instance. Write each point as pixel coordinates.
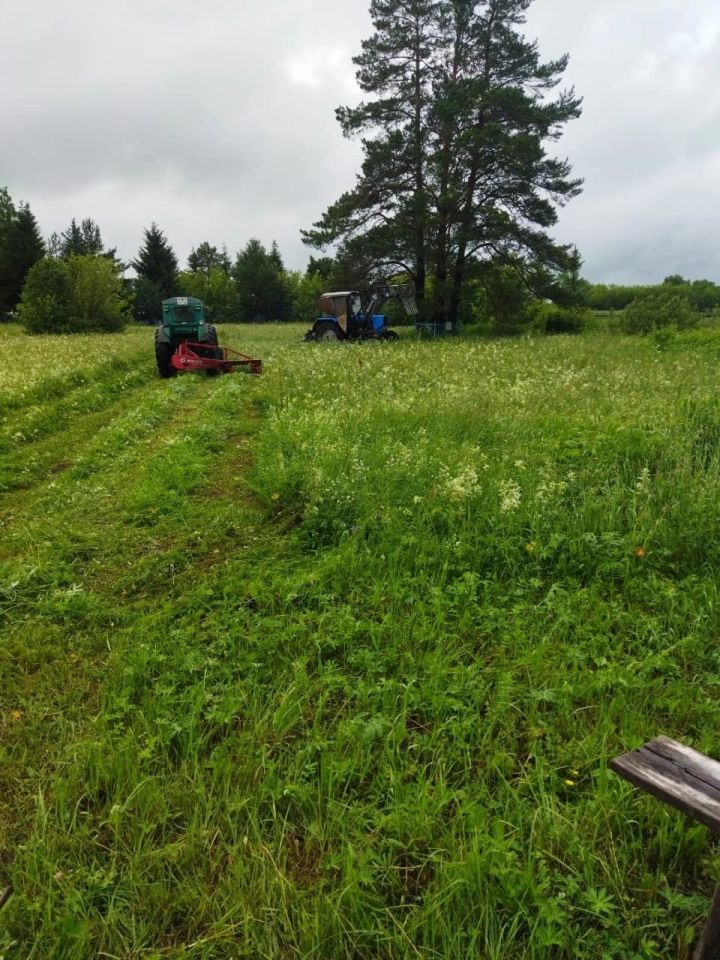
(83, 240)
(262, 291)
(156, 262)
(92, 239)
(21, 247)
(53, 245)
(455, 169)
(71, 241)
(7, 211)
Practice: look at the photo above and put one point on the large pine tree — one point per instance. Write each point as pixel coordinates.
(455, 169)
(383, 221)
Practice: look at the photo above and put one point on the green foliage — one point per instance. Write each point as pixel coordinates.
(601, 296)
(263, 293)
(323, 267)
(7, 215)
(500, 301)
(156, 263)
(657, 309)
(216, 289)
(702, 295)
(7, 209)
(21, 246)
(75, 295)
(98, 296)
(147, 301)
(305, 290)
(551, 318)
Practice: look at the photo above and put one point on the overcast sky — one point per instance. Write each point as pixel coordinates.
(216, 120)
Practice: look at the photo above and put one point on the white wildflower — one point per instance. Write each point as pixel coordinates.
(465, 484)
(643, 481)
(510, 496)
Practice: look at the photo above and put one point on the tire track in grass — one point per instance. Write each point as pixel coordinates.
(99, 448)
(60, 560)
(142, 643)
(46, 440)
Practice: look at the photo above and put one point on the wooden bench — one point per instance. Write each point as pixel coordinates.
(690, 781)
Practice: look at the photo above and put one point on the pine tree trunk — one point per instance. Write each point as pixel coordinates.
(420, 200)
(467, 209)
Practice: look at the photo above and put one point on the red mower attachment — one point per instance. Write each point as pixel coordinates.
(202, 356)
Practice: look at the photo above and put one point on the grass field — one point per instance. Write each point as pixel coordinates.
(331, 663)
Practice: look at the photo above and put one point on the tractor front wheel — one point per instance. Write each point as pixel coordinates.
(163, 355)
(327, 333)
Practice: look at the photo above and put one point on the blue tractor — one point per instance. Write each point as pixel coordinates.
(346, 315)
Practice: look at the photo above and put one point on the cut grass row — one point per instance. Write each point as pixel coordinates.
(332, 663)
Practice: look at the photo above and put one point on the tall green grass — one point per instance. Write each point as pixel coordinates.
(332, 663)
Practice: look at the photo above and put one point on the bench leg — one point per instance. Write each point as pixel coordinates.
(709, 946)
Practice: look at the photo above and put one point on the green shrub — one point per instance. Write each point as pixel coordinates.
(499, 302)
(551, 318)
(46, 302)
(659, 309)
(97, 293)
(80, 294)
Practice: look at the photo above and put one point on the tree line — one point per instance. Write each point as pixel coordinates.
(73, 282)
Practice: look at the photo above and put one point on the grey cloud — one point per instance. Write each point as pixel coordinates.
(217, 121)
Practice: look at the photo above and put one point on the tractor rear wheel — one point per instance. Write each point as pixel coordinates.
(327, 333)
(163, 355)
(211, 350)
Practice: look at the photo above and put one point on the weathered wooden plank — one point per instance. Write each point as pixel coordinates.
(696, 764)
(676, 774)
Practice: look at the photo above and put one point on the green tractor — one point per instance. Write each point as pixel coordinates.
(183, 321)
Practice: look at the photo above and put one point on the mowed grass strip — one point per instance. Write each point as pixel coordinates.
(358, 640)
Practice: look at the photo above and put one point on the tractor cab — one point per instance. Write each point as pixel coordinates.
(344, 307)
(181, 313)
